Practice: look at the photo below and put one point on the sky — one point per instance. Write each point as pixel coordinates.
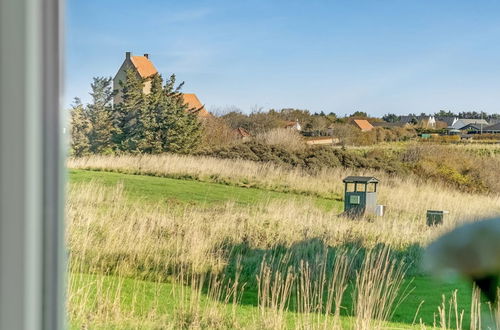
(379, 56)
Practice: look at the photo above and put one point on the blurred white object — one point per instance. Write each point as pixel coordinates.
(471, 250)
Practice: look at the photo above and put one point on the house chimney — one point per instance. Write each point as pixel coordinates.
(127, 55)
(146, 56)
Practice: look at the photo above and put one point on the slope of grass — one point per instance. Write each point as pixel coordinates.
(138, 301)
(174, 191)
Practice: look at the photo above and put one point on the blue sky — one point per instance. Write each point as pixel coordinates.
(376, 56)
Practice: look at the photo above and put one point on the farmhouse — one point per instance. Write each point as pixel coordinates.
(145, 69)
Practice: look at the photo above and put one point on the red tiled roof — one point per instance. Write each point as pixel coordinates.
(192, 101)
(363, 124)
(144, 66)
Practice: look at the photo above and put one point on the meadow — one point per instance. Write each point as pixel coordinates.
(169, 241)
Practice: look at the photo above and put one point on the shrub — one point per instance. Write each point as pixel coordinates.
(285, 138)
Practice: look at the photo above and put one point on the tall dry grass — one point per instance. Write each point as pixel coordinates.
(320, 290)
(377, 291)
(406, 198)
(113, 241)
(209, 254)
(450, 316)
(287, 138)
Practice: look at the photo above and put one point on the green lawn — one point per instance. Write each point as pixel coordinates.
(140, 297)
(165, 190)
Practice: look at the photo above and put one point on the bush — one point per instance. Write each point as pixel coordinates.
(286, 138)
(216, 132)
(311, 159)
(447, 164)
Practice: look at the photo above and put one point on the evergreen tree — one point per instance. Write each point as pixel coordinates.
(360, 114)
(153, 123)
(80, 127)
(151, 141)
(444, 113)
(127, 116)
(100, 116)
(179, 126)
(390, 118)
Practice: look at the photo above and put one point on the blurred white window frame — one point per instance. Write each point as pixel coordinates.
(32, 266)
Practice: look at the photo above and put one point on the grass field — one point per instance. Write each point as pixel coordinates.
(165, 250)
(175, 191)
(136, 299)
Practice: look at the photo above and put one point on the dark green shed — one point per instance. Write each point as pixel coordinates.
(360, 195)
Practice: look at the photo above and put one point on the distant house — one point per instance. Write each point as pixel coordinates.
(495, 128)
(473, 128)
(448, 120)
(145, 70)
(412, 120)
(422, 121)
(461, 123)
(293, 125)
(363, 125)
(141, 65)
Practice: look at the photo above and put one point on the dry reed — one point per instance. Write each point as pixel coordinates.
(113, 238)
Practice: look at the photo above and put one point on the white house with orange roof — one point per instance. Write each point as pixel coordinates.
(145, 69)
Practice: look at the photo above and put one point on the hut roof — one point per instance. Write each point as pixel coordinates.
(362, 179)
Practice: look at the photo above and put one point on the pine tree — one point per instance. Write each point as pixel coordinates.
(127, 115)
(180, 127)
(100, 116)
(80, 127)
(157, 122)
(151, 141)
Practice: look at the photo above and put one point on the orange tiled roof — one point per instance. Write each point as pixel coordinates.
(192, 101)
(363, 124)
(144, 66)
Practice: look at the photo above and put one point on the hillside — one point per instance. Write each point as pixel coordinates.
(157, 221)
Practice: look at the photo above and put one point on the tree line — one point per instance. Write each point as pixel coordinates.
(141, 123)
(391, 117)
